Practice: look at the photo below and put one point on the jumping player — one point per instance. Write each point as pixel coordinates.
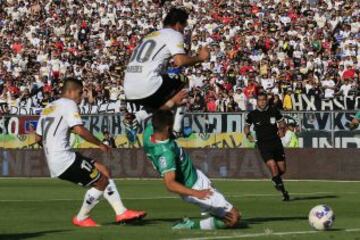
(147, 82)
(181, 177)
(57, 120)
(266, 120)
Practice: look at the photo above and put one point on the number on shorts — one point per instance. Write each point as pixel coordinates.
(138, 51)
(86, 165)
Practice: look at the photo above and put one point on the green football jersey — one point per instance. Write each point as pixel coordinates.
(167, 156)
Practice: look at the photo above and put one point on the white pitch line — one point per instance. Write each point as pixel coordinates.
(265, 234)
(215, 179)
(176, 197)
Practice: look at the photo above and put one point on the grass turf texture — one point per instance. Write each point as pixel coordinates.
(43, 208)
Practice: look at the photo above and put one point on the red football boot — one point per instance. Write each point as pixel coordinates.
(130, 215)
(88, 222)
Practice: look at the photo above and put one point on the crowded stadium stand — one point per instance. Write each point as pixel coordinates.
(303, 53)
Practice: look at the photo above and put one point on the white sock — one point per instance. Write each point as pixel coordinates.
(179, 116)
(112, 195)
(91, 198)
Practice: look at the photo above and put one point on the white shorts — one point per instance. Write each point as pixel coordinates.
(216, 205)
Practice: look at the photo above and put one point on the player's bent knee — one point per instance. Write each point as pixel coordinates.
(102, 183)
(103, 169)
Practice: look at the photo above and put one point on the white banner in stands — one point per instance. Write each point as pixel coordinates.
(300, 103)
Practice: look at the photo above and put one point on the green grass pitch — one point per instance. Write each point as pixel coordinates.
(43, 208)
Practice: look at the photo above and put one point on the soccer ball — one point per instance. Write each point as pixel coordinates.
(321, 217)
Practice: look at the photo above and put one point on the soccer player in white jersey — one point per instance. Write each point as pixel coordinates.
(57, 120)
(147, 82)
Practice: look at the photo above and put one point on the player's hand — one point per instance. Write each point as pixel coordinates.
(178, 99)
(104, 148)
(228, 218)
(203, 194)
(204, 54)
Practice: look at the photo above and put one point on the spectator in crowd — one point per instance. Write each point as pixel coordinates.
(277, 103)
(287, 104)
(310, 47)
(290, 139)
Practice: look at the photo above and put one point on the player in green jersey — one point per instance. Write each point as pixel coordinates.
(181, 177)
(355, 121)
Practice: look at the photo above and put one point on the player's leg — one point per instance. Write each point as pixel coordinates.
(282, 167)
(91, 199)
(268, 154)
(276, 177)
(165, 98)
(223, 214)
(279, 156)
(112, 195)
(84, 172)
(176, 87)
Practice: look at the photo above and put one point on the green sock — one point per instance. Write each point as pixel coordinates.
(210, 223)
(219, 224)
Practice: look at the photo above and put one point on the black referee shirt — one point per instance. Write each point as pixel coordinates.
(265, 123)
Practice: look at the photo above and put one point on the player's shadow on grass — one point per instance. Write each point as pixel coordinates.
(147, 221)
(21, 236)
(260, 220)
(313, 198)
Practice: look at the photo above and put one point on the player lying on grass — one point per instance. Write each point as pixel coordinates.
(181, 177)
(147, 81)
(354, 124)
(57, 120)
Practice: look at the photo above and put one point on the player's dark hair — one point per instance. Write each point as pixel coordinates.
(176, 15)
(161, 119)
(71, 83)
(261, 94)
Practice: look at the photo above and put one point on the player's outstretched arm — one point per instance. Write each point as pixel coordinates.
(173, 186)
(176, 100)
(182, 60)
(88, 136)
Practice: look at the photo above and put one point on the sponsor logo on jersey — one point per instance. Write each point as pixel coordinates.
(134, 69)
(48, 110)
(151, 35)
(162, 162)
(180, 45)
(77, 115)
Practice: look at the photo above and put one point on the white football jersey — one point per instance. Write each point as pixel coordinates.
(54, 127)
(149, 60)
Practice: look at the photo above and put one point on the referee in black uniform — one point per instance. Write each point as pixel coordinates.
(269, 126)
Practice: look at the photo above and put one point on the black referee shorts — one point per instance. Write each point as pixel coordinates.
(272, 150)
(171, 85)
(82, 172)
